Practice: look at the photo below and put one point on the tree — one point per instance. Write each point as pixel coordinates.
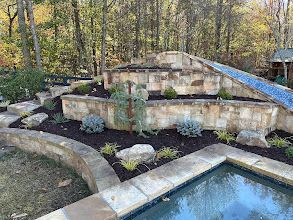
(34, 33)
(23, 35)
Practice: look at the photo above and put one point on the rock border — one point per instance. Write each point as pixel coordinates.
(124, 199)
(86, 161)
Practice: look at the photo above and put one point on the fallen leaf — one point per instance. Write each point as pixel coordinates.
(64, 183)
(15, 216)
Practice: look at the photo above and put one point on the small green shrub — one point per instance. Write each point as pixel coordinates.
(25, 114)
(92, 124)
(116, 88)
(170, 93)
(279, 142)
(189, 128)
(50, 105)
(225, 136)
(109, 149)
(59, 118)
(223, 94)
(289, 152)
(168, 153)
(129, 165)
(21, 84)
(84, 89)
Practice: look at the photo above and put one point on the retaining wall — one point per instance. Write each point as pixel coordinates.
(163, 114)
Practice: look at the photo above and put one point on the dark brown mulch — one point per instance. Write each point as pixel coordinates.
(99, 91)
(2, 109)
(166, 138)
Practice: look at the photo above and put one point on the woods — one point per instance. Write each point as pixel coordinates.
(84, 37)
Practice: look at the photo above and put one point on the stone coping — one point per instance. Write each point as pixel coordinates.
(124, 199)
(85, 160)
(151, 103)
(141, 70)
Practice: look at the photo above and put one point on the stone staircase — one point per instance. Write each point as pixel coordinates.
(14, 111)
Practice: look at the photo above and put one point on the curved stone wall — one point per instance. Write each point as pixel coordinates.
(86, 161)
(163, 114)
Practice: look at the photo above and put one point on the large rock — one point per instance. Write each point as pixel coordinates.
(252, 138)
(35, 120)
(138, 152)
(59, 90)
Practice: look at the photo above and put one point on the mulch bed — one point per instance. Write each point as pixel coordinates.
(165, 138)
(2, 109)
(100, 91)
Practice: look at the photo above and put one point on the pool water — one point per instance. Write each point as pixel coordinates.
(225, 193)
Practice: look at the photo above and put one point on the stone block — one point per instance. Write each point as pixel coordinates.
(59, 90)
(18, 108)
(35, 120)
(123, 198)
(7, 118)
(213, 158)
(56, 215)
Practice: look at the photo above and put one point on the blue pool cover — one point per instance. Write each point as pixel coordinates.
(279, 95)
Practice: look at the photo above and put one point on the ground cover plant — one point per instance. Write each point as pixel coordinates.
(279, 142)
(189, 128)
(170, 93)
(30, 185)
(225, 136)
(223, 94)
(92, 124)
(183, 144)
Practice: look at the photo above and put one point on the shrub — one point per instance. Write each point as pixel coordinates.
(279, 142)
(92, 124)
(130, 165)
(168, 153)
(189, 128)
(225, 136)
(109, 149)
(22, 84)
(25, 114)
(84, 89)
(289, 152)
(4, 104)
(59, 118)
(170, 93)
(50, 105)
(223, 94)
(116, 88)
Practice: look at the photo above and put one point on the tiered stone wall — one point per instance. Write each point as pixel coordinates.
(162, 114)
(183, 81)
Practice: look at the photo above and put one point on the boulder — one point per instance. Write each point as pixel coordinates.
(35, 120)
(252, 138)
(139, 152)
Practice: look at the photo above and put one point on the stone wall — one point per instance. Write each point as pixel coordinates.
(86, 161)
(183, 81)
(161, 114)
(285, 120)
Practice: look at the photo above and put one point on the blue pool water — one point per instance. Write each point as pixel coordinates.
(280, 95)
(226, 193)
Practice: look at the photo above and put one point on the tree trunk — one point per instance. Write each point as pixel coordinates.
(22, 30)
(137, 30)
(219, 13)
(157, 26)
(229, 26)
(94, 44)
(104, 35)
(11, 18)
(34, 34)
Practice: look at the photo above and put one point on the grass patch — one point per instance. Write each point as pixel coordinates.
(279, 142)
(225, 136)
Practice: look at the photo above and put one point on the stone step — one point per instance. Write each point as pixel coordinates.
(59, 90)
(44, 97)
(7, 118)
(28, 106)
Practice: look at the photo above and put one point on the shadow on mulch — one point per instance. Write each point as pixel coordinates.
(167, 138)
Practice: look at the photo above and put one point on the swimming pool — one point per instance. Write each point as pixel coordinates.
(225, 193)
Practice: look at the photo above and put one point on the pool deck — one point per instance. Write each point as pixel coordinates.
(123, 199)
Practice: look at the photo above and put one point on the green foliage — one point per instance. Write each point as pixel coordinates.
(84, 89)
(50, 105)
(189, 128)
(116, 88)
(168, 153)
(121, 117)
(170, 93)
(109, 149)
(59, 118)
(279, 142)
(92, 124)
(225, 136)
(129, 165)
(289, 152)
(25, 114)
(22, 84)
(223, 94)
